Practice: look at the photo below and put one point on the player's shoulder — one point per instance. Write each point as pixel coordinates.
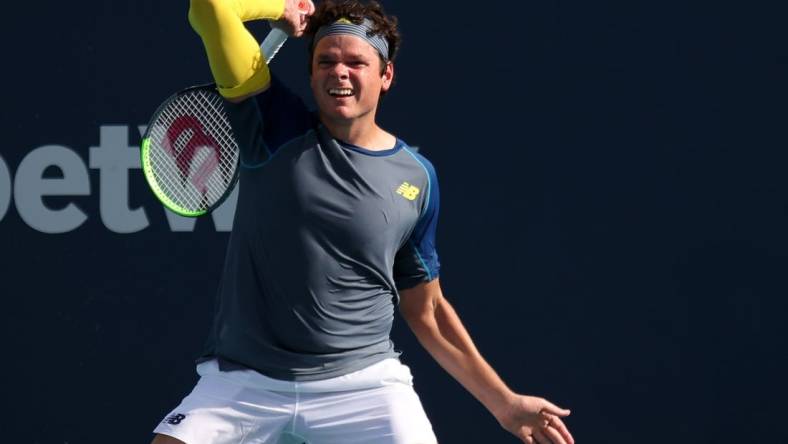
(418, 156)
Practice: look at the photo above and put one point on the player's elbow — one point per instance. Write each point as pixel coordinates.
(424, 327)
(200, 10)
(420, 318)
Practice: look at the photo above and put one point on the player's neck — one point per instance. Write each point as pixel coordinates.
(361, 132)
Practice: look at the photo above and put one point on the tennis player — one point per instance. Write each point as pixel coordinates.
(334, 227)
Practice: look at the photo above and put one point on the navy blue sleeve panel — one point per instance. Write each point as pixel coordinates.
(417, 260)
(285, 115)
(272, 118)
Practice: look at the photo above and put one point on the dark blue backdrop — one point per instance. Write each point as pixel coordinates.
(613, 225)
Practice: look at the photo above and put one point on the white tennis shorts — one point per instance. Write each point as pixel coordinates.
(373, 405)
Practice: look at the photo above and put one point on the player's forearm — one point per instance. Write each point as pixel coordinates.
(237, 65)
(442, 334)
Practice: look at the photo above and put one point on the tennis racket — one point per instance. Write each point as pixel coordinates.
(190, 158)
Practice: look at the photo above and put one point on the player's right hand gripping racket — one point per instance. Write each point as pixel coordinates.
(189, 155)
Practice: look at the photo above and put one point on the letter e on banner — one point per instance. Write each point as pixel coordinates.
(30, 187)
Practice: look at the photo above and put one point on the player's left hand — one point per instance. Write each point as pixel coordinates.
(535, 420)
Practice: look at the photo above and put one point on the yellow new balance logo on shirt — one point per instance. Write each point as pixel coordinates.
(408, 191)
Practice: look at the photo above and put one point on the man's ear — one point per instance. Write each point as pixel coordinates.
(388, 76)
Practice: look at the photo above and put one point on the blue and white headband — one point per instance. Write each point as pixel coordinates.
(345, 26)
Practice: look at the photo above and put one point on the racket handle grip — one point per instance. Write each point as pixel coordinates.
(272, 43)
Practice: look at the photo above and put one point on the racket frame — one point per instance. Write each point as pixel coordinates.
(147, 168)
(269, 47)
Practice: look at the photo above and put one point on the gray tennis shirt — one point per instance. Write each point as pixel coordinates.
(325, 233)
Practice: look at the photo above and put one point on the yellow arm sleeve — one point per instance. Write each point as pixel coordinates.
(236, 62)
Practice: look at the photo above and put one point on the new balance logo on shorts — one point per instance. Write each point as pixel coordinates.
(175, 419)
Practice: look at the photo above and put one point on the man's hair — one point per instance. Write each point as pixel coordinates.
(329, 11)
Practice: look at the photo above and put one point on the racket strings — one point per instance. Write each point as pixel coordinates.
(220, 132)
(193, 153)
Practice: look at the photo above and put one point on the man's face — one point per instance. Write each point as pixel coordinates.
(346, 77)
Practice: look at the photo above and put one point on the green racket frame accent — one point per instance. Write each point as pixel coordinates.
(154, 186)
